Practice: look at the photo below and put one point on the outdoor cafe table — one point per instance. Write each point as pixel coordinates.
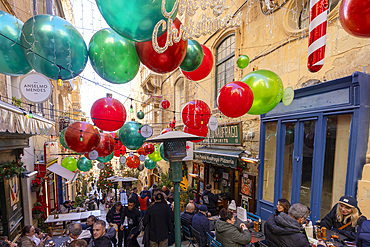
(86, 214)
(72, 216)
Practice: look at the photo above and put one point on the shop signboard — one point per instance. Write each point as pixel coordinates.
(217, 159)
(225, 134)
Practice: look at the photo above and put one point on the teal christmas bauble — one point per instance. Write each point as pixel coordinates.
(84, 164)
(130, 136)
(106, 158)
(194, 56)
(161, 151)
(62, 140)
(140, 114)
(150, 164)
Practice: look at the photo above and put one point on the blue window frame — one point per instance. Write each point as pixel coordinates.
(313, 113)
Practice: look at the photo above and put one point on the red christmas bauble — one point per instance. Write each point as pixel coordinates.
(120, 152)
(141, 151)
(106, 145)
(165, 131)
(205, 67)
(354, 15)
(149, 148)
(198, 132)
(172, 124)
(133, 162)
(82, 137)
(165, 104)
(108, 114)
(117, 143)
(195, 114)
(235, 99)
(164, 62)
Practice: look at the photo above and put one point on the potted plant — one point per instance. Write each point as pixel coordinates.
(37, 184)
(38, 210)
(11, 169)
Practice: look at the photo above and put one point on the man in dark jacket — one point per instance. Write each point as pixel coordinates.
(187, 216)
(115, 217)
(363, 234)
(135, 196)
(201, 224)
(132, 229)
(158, 218)
(285, 230)
(100, 238)
(210, 200)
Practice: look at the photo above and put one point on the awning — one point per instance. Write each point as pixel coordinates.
(223, 157)
(63, 172)
(12, 120)
(122, 179)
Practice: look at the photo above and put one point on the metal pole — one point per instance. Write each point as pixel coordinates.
(177, 214)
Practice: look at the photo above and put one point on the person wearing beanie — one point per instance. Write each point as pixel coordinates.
(201, 224)
(345, 217)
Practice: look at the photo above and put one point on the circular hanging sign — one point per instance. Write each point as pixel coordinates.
(146, 131)
(122, 160)
(93, 155)
(213, 123)
(288, 96)
(101, 165)
(142, 157)
(35, 88)
(131, 154)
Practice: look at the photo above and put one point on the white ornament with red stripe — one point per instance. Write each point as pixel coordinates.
(317, 38)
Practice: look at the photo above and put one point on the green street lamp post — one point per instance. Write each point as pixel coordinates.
(174, 147)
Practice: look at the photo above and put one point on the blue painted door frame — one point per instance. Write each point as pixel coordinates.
(348, 95)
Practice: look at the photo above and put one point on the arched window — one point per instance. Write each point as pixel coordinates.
(225, 62)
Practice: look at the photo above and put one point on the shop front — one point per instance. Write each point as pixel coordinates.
(314, 149)
(220, 164)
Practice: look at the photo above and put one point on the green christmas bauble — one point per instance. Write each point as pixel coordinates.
(140, 114)
(130, 136)
(84, 164)
(194, 56)
(106, 158)
(155, 156)
(62, 140)
(161, 151)
(150, 164)
(70, 163)
(242, 62)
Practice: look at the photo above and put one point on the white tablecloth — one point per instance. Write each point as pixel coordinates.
(72, 216)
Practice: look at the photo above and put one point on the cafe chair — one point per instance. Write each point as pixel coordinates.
(196, 236)
(187, 235)
(212, 242)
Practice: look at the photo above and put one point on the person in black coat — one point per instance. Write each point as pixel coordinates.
(187, 216)
(286, 229)
(115, 216)
(363, 234)
(135, 197)
(100, 238)
(133, 219)
(201, 224)
(344, 218)
(210, 200)
(157, 220)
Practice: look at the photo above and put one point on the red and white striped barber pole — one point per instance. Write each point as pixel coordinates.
(317, 38)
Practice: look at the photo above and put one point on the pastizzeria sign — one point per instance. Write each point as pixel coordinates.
(36, 88)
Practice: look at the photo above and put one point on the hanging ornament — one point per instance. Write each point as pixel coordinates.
(204, 68)
(93, 155)
(172, 124)
(267, 89)
(120, 152)
(165, 104)
(155, 156)
(101, 165)
(195, 114)
(106, 158)
(133, 162)
(161, 152)
(164, 62)
(84, 165)
(141, 167)
(194, 56)
(130, 135)
(62, 140)
(123, 160)
(235, 99)
(69, 163)
(148, 148)
(106, 145)
(117, 143)
(140, 114)
(150, 164)
(354, 17)
(242, 62)
(317, 37)
(82, 137)
(141, 151)
(56, 42)
(141, 157)
(113, 57)
(13, 61)
(198, 132)
(108, 114)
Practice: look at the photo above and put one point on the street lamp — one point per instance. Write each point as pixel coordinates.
(174, 148)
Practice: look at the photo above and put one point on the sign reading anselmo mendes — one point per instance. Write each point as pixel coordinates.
(226, 134)
(36, 88)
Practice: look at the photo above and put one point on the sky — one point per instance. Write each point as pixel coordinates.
(88, 21)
